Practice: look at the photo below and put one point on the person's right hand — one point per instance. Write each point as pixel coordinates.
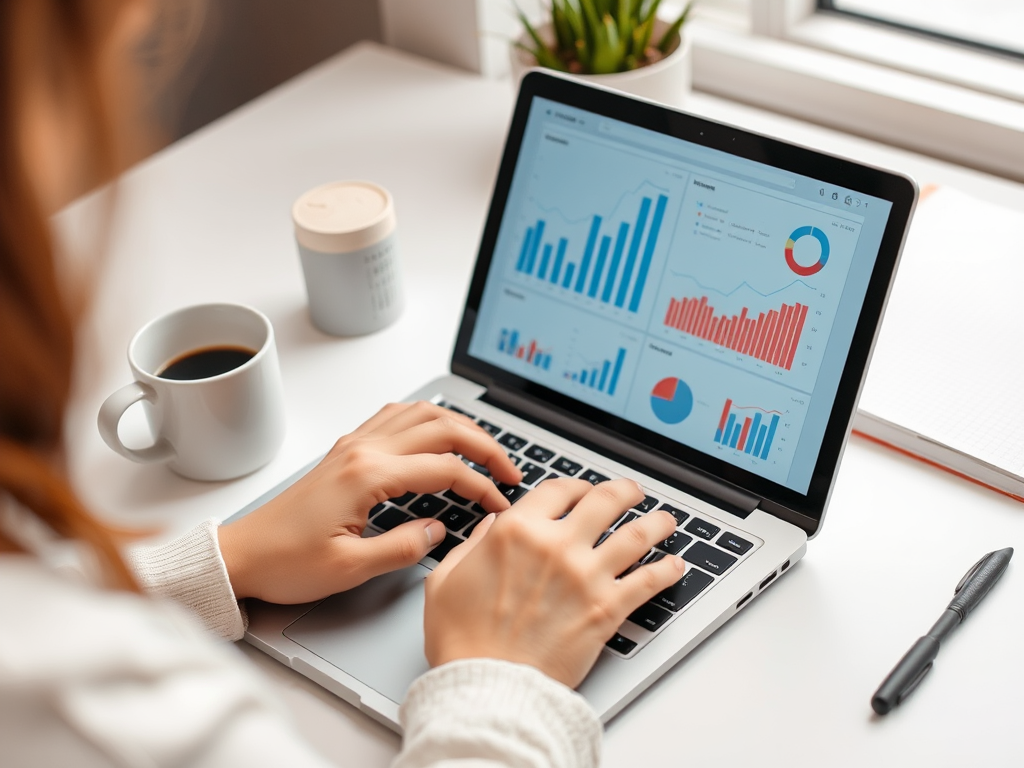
(530, 587)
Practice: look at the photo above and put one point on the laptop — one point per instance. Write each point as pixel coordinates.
(658, 297)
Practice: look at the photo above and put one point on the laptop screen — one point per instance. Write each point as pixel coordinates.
(703, 296)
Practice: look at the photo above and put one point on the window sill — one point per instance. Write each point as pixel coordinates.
(942, 119)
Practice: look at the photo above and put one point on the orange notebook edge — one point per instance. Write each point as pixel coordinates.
(937, 465)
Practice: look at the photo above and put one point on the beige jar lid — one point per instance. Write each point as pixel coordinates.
(343, 216)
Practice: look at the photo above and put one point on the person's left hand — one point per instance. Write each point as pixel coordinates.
(305, 544)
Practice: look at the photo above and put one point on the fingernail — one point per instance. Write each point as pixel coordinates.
(435, 532)
(680, 564)
(641, 489)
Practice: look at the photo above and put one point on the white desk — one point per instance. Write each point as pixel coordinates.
(786, 683)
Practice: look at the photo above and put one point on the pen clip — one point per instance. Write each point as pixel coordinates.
(970, 573)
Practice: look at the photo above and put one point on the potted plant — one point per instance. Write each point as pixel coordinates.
(622, 44)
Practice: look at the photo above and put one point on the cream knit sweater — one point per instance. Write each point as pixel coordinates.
(91, 677)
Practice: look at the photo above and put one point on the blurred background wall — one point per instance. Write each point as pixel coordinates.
(246, 47)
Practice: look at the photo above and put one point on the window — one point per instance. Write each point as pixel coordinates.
(996, 26)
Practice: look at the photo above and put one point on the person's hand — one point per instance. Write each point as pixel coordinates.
(305, 544)
(530, 587)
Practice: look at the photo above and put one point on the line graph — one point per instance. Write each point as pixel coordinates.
(744, 284)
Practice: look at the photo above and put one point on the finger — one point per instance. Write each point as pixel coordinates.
(633, 540)
(448, 435)
(552, 498)
(420, 412)
(382, 416)
(400, 547)
(603, 505)
(645, 582)
(458, 554)
(431, 473)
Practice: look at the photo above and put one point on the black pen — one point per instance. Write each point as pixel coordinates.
(912, 668)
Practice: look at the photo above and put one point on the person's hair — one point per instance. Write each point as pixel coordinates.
(37, 323)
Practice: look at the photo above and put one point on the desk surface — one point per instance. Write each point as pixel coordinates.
(788, 681)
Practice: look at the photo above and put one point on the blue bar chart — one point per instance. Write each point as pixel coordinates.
(752, 435)
(604, 377)
(530, 353)
(612, 265)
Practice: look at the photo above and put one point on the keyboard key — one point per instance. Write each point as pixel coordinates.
(538, 454)
(652, 557)
(647, 504)
(478, 509)
(512, 492)
(707, 557)
(453, 496)
(517, 460)
(401, 501)
(552, 476)
(477, 467)
(390, 518)
(427, 505)
(629, 517)
(734, 543)
(456, 519)
(511, 441)
(455, 408)
(674, 544)
(677, 513)
(441, 550)
(676, 597)
(593, 477)
(531, 473)
(376, 508)
(470, 527)
(492, 429)
(566, 466)
(649, 616)
(601, 538)
(621, 644)
(702, 528)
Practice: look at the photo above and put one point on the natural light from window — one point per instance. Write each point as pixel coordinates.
(997, 24)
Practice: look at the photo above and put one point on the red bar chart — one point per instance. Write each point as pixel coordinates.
(772, 336)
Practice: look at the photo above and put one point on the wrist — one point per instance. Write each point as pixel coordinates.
(236, 551)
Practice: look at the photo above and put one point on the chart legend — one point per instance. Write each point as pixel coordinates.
(773, 337)
(749, 434)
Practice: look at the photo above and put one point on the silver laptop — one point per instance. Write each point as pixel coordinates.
(657, 297)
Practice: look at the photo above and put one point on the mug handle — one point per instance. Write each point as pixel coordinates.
(113, 409)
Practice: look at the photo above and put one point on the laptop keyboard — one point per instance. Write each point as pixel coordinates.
(710, 547)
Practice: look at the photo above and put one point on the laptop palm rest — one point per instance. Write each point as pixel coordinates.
(373, 632)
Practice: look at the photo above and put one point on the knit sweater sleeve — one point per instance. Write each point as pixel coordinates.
(190, 571)
(485, 713)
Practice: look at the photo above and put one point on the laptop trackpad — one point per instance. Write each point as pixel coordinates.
(373, 632)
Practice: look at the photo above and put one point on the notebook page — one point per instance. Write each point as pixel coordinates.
(949, 363)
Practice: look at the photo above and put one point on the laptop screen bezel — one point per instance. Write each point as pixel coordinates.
(805, 510)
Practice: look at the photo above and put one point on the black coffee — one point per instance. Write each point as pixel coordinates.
(204, 363)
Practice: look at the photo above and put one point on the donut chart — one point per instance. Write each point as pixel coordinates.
(671, 400)
(810, 269)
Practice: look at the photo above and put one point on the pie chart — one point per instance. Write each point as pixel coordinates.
(671, 400)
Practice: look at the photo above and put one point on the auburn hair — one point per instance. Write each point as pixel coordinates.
(37, 321)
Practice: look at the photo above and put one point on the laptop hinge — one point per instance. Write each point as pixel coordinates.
(687, 479)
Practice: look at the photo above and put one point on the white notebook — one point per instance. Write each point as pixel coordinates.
(946, 383)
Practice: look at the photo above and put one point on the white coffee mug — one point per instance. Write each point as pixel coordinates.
(218, 422)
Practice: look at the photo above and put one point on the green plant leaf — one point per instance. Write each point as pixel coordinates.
(674, 29)
(544, 57)
(610, 54)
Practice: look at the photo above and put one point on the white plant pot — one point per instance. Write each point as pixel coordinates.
(667, 81)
